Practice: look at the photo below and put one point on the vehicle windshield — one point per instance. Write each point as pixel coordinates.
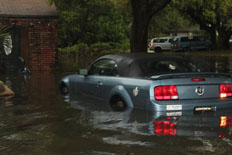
(155, 40)
(175, 39)
(168, 66)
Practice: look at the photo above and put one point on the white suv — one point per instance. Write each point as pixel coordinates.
(160, 44)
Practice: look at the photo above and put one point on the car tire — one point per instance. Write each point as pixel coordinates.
(186, 49)
(64, 89)
(158, 50)
(117, 103)
(209, 48)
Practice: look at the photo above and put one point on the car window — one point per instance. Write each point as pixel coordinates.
(163, 40)
(196, 38)
(170, 40)
(184, 39)
(104, 67)
(175, 39)
(155, 40)
(169, 66)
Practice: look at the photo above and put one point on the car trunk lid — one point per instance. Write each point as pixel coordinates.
(192, 86)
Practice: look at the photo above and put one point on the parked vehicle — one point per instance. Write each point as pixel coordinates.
(150, 81)
(184, 43)
(160, 44)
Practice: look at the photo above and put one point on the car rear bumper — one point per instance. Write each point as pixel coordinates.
(204, 105)
(152, 48)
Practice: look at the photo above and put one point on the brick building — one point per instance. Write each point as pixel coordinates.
(33, 29)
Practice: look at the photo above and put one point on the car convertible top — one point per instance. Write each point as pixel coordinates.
(129, 64)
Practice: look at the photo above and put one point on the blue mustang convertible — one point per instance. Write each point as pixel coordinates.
(150, 81)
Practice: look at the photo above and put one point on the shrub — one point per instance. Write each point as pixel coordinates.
(97, 48)
(85, 54)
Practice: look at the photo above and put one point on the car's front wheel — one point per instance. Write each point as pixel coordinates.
(186, 49)
(117, 103)
(64, 89)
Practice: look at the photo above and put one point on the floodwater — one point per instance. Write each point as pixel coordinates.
(38, 120)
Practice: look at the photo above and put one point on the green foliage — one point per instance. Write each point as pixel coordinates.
(110, 28)
(89, 21)
(125, 10)
(4, 30)
(69, 49)
(81, 54)
(50, 2)
(110, 48)
(167, 19)
(212, 15)
(98, 48)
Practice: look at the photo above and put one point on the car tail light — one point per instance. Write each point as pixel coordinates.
(165, 128)
(178, 45)
(225, 90)
(223, 135)
(198, 79)
(151, 44)
(166, 92)
(225, 121)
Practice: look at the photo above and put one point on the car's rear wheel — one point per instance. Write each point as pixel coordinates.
(186, 49)
(117, 103)
(158, 49)
(63, 89)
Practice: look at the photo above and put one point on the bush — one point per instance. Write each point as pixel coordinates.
(97, 48)
(90, 22)
(84, 54)
(77, 48)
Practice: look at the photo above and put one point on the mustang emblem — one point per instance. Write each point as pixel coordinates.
(136, 91)
(200, 91)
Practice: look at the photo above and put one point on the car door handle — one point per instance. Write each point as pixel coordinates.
(99, 84)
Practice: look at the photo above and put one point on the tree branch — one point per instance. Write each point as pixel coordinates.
(157, 5)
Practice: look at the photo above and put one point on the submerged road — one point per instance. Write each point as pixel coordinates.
(38, 120)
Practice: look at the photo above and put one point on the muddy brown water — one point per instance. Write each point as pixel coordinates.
(38, 120)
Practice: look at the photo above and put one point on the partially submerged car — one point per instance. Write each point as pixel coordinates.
(150, 81)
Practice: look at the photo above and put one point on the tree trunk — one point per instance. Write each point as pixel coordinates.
(225, 42)
(143, 11)
(139, 33)
(212, 32)
(224, 37)
(213, 37)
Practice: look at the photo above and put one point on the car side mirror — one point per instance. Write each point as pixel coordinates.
(83, 72)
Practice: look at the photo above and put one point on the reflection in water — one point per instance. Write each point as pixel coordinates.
(40, 121)
(225, 121)
(165, 128)
(160, 130)
(211, 63)
(144, 122)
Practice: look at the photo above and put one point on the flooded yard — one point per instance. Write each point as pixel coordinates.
(38, 120)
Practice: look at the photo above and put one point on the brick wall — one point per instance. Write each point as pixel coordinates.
(38, 41)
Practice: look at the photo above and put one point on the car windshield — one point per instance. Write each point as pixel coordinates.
(175, 39)
(167, 66)
(155, 40)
